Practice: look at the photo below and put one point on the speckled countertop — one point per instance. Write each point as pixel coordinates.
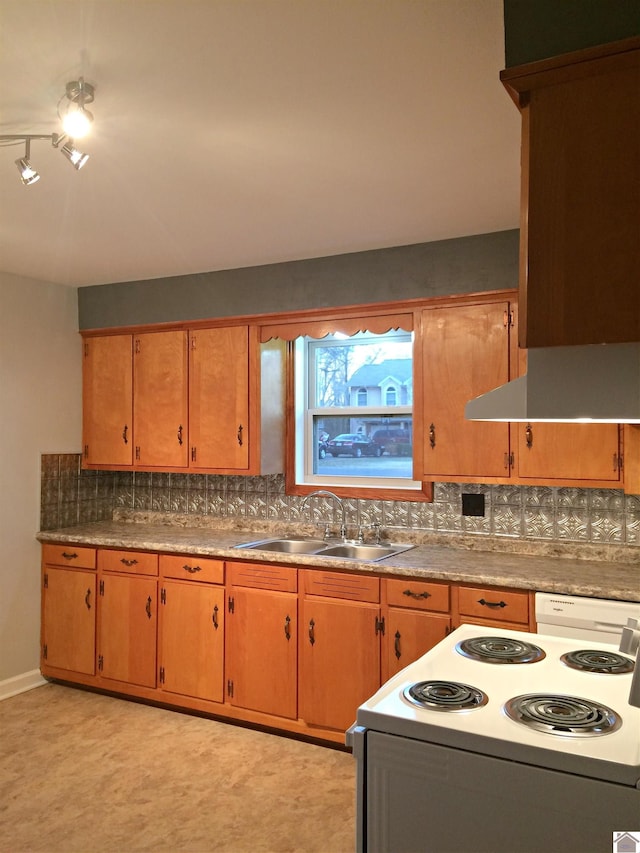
(606, 572)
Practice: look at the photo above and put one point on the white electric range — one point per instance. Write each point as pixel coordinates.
(503, 742)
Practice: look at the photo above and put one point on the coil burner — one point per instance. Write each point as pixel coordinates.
(562, 715)
(596, 660)
(499, 650)
(445, 695)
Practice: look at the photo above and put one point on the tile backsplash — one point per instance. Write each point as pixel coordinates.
(542, 513)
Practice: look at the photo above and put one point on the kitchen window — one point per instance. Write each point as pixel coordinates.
(353, 404)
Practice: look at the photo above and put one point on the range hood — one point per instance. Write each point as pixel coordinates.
(594, 383)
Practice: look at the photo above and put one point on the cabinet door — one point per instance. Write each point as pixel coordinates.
(107, 394)
(69, 620)
(219, 398)
(191, 645)
(465, 353)
(409, 634)
(160, 399)
(339, 660)
(127, 629)
(262, 651)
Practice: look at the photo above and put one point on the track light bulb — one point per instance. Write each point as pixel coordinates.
(28, 174)
(77, 122)
(75, 157)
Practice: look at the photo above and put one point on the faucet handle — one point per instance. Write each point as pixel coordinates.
(375, 525)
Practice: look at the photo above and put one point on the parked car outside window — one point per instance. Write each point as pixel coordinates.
(351, 444)
(395, 442)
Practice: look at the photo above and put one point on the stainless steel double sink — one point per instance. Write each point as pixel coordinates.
(370, 553)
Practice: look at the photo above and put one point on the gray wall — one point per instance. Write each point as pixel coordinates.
(538, 29)
(464, 265)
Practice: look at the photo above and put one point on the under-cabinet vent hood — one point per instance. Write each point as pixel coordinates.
(599, 382)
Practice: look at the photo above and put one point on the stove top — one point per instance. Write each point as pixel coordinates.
(530, 703)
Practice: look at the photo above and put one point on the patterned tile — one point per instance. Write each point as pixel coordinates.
(507, 521)
(448, 518)
(538, 523)
(476, 524)
(422, 516)
(608, 499)
(538, 495)
(567, 496)
(607, 526)
(572, 525)
(49, 465)
(511, 495)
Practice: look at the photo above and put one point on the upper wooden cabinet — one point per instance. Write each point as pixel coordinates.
(580, 252)
(219, 376)
(465, 352)
(107, 400)
(187, 401)
(160, 399)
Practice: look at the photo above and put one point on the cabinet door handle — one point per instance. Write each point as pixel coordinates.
(432, 435)
(240, 435)
(67, 556)
(312, 633)
(491, 603)
(287, 627)
(87, 599)
(180, 435)
(396, 645)
(148, 607)
(192, 569)
(416, 594)
(125, 434)
(528, 434)
(214, 617)
(126, 562)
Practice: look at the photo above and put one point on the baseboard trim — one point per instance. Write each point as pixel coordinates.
(21, 683)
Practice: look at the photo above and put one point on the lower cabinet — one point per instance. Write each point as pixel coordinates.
(127, 617)
(261, 637)
(295, 649)
(191, 627)
(339, 647)
(68, 632)
(416, 617)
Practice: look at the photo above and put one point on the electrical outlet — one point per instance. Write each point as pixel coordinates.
(472, 504)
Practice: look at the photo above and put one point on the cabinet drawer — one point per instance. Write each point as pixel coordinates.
(337, 585)
(131, 562)
(420, 595)
(496, 604)
(69, 555)
(260, 576)
(202, 569)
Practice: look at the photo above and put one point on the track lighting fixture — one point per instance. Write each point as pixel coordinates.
(76, 122)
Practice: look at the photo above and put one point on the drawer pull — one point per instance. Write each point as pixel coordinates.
(432, 435)
(126, 562)
(396, 645)
(87, 599)
(416, 594)
(192, 569)
(125, 436)
(287, 627)
(491, 603)
(148, 607)
(312, 635)
(214, 617)
(239, 436)
(73, 556)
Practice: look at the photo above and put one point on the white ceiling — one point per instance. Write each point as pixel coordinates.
(233, 133)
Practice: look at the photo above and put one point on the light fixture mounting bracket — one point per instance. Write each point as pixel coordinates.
(79, 91)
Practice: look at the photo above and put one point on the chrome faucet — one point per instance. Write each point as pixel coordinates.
(328, 494)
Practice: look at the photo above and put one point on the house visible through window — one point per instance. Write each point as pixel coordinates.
(354, 410)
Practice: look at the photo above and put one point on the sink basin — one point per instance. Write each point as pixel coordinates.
(287, 546)
(368, 553)
(342, 550)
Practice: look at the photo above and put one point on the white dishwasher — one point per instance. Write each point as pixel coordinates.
(582, 618)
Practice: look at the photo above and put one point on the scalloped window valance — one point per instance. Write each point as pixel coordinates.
(346, 325)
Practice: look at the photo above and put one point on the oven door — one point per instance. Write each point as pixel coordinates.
(418, 796)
